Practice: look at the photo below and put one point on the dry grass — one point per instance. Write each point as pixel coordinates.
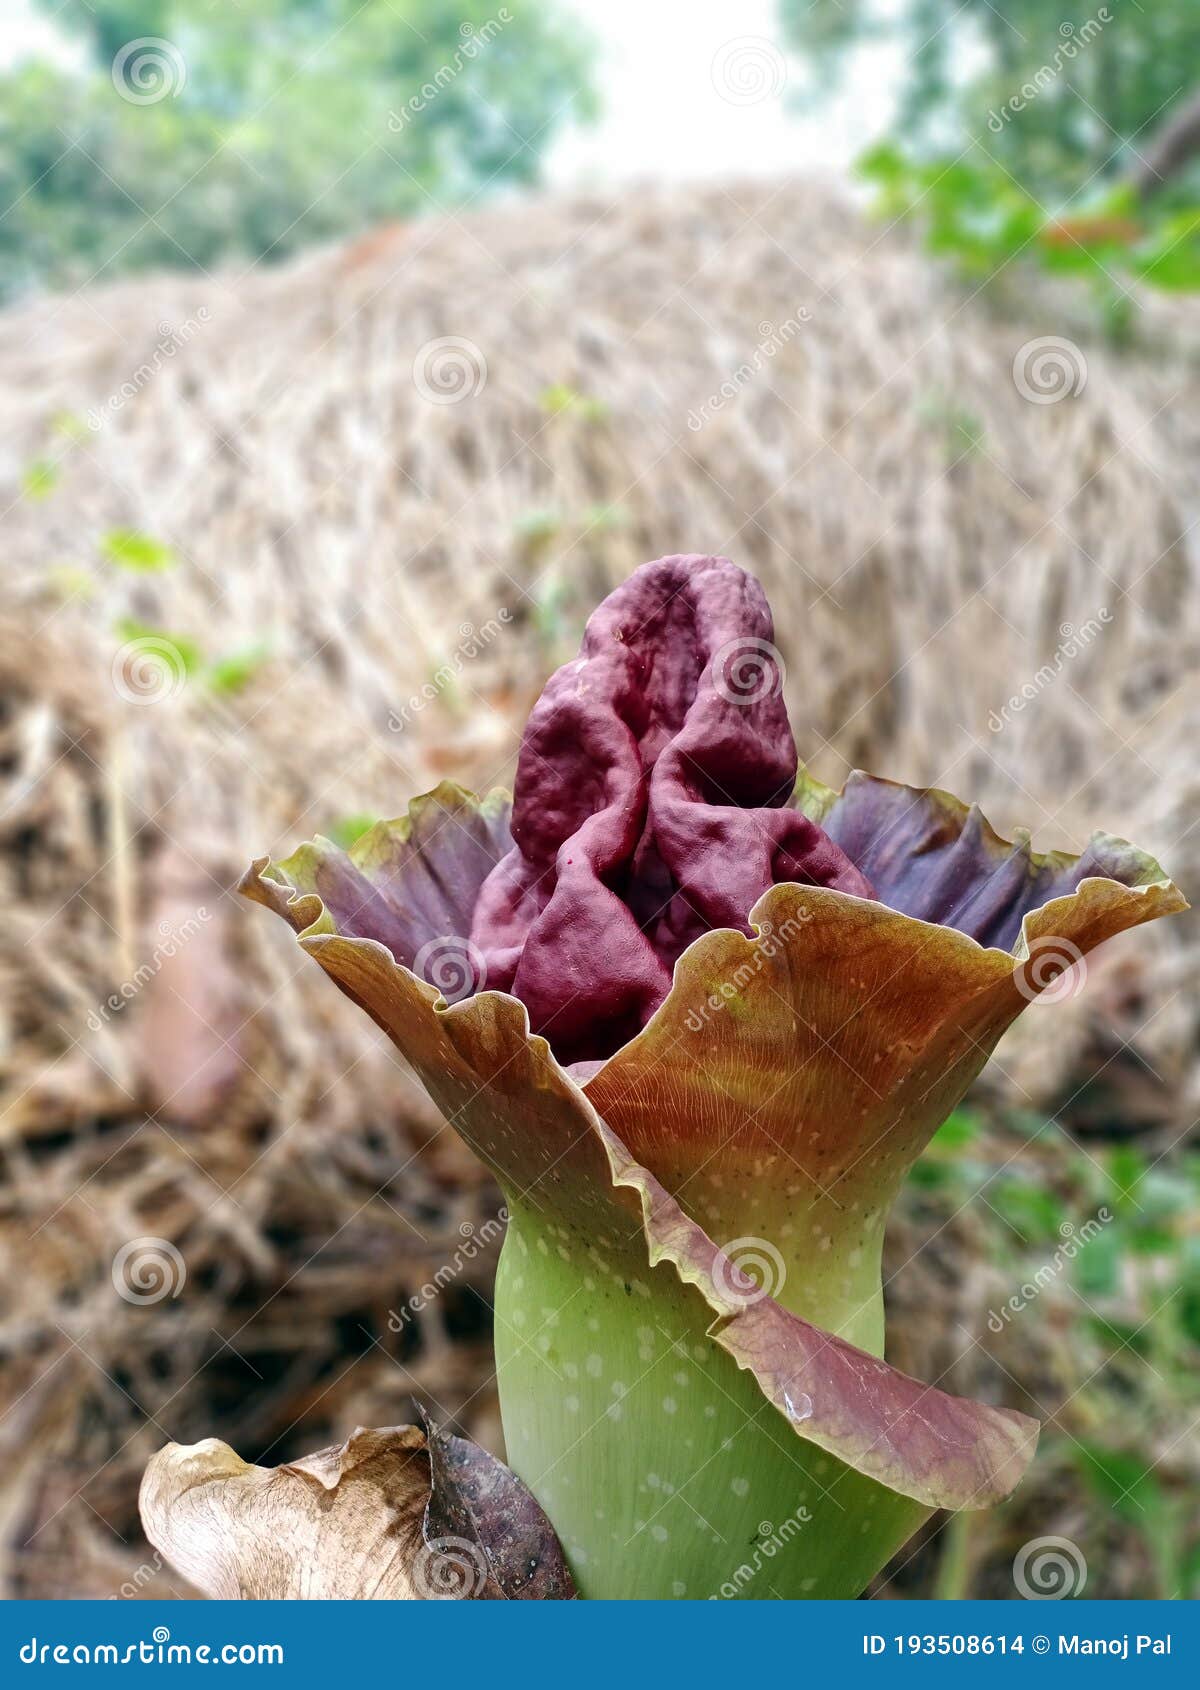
(923, 531)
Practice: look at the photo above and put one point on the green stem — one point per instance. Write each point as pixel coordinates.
(663, 1468)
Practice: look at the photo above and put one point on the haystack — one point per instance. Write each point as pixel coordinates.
(285, 547)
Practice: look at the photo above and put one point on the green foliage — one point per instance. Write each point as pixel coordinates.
(233, 673)
(975, 215)
(1094, 1260)
(284, 122)
(560, 399)
(1030, 156)
(40, 479)
(1054, 98)
(141, 554)
(190, 656)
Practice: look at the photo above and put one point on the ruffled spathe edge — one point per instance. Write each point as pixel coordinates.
(503, 1091)
(537, 1128)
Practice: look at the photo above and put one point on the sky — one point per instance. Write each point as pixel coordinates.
(701, 88)
(690, 88)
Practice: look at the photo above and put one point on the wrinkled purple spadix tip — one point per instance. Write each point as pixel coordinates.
(653, 803)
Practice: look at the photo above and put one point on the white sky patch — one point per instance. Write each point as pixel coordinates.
(665, 120)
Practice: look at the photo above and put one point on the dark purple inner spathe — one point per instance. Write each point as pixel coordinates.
(652, 805)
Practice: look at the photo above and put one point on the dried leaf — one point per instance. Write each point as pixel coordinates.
(373, 1518)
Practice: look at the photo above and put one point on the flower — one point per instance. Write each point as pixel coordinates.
(652, 805)
(689, 1320)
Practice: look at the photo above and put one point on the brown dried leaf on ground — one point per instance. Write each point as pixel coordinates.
(393, 1514)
